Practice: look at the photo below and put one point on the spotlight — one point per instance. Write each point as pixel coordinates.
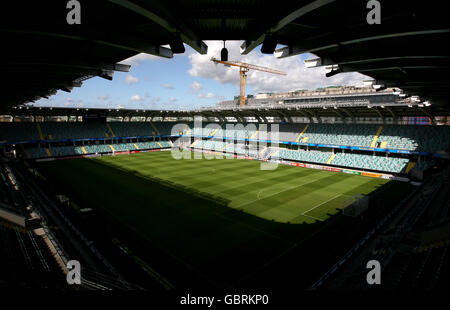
(379, 87)
(176, 45)
(224, 53)
(269, 45)
(333, 72)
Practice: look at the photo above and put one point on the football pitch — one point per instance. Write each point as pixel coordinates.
(285, 194)
(222, 218)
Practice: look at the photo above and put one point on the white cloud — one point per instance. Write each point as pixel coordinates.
(172, 99)
(104, 98)
(167, 85)
(156, 99)
(138, 59)
(298, 76)
(207, 95)
(136, 98)
(195, 87)
(129, 79)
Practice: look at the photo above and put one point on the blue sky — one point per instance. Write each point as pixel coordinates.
(191, 80)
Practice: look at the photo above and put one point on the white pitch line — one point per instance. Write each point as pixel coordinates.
(322, 203)
(286, 189)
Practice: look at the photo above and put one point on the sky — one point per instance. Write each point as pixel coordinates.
(192, 80)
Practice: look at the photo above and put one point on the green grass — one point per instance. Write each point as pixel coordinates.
(286, 194)
(222, 218)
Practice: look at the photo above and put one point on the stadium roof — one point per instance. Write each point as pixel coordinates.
(282, 111)
(42, 53)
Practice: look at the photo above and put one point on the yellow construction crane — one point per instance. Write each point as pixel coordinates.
(243, 69)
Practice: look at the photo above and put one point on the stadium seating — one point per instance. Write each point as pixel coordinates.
(14, 132)
(419, 138)
(382, 163)
(165, 128)
(131, 129)
(37, 152)
(403, 137)
(359, 161)
(147, 145)
(309, 156)
(97, 148)
(406, 137)
(63, 130)
(340, 134)
(118, 147)
(66, 150)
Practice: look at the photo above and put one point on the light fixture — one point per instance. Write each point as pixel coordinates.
(379, 87)
(176, 44)
(335, 70)
(224, 53)
(269, 45)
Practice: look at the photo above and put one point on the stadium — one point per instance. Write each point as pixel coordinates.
(278, 191)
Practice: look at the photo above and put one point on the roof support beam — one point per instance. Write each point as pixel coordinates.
(248, 46)
(186, 34)
(417, 60)
(315, 45)
(138, 46)
(64, 66)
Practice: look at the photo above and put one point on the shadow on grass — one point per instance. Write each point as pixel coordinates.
(185, 227)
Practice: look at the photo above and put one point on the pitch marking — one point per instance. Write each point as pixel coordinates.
(276, 193)
(321, 204)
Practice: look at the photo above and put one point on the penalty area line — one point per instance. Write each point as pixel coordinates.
(320, 204)
(258, 195)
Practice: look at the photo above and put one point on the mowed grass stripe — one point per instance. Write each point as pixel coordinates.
(180, 166)
(206, 235)
(285, 193)
(186, 227)
(209, 179)
(293, 202)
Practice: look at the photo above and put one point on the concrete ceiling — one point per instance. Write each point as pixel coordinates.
(41, 53)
